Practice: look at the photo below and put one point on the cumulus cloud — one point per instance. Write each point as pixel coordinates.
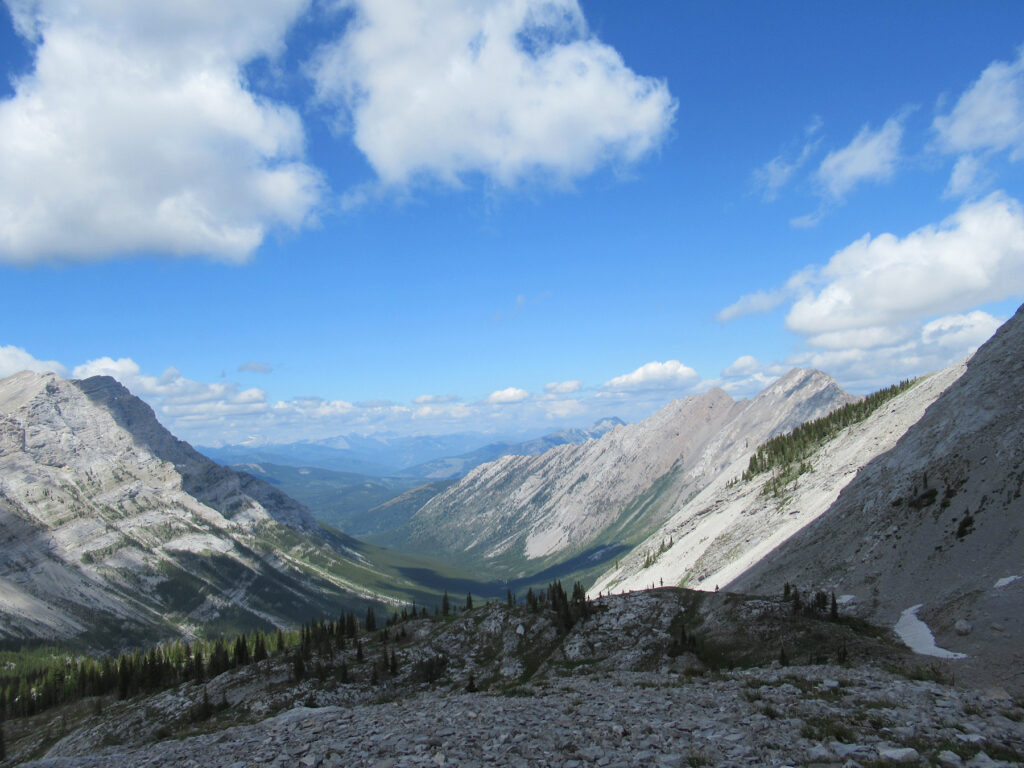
(963, 333)
(254, 366)
(175, 396)
(135, 132)
(508, 88)
(508, 395)
(871, 156)
(655, 375)
(15, 360)
(563, 387)
(974, 257)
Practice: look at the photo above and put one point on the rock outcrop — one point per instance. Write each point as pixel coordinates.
(114, 532)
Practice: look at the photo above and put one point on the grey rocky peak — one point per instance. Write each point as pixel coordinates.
(115, 532)
(935, 521)
(523, 511)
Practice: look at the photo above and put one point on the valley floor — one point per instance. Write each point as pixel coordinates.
(768, 716)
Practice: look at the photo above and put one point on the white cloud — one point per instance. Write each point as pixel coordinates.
(509, 88)
(974, 257)
(445, 411)
(135, 132)
(742, 366)
(15, 360)
(771, 177)
(968, 177)
(761, 301)
(986, 119)
(861, 338)
(563, 387)
(990, 114)
(964, 333)
(428, 399)
(508, 395)
(172, 395)
(871, 156)
(765, 301)
(254, 366)
(655, 375)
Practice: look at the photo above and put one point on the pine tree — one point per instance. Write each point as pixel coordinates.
(469, 601)
(444, 604)
(371, 620)
(298, 666)
(259, 652)
(279, 645)
(3, 747)
(833, 611)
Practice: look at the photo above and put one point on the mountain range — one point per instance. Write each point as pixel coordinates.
(520, 514)
(905, 504)
(115, 532)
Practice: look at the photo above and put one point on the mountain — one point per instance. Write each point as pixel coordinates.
(115, 532)
(456, 466)
(736, 520)
(524, 513)
(931, 529)
(378, 455)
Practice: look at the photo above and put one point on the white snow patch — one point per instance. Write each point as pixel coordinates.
(846, 599)
(1005, 581)
(918, 636)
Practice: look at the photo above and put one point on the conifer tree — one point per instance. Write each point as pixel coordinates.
(259, 652)
(3, 747)
(444, 604)
(469, 601)
(371, 620)
(298, 666)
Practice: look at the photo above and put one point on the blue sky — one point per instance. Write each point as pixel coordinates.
(285, 220)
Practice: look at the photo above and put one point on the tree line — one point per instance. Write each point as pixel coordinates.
(785, 455)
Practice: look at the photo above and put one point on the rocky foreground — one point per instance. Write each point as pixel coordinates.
(666, 677)
(783, 716)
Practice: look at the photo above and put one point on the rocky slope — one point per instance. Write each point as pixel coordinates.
(113, 532)
(936, 521)
(520, 513)
(613, 690)
(730, 525)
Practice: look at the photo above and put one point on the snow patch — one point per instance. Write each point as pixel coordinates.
(200, 544)
(1006, 580)
(918, 637)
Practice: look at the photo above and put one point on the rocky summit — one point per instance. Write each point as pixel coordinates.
(657, 678)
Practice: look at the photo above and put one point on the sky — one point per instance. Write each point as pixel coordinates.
(279, 220)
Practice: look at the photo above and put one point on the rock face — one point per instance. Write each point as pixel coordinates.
(731, 524)
(936, 521)
(114, 532)
(523, 511)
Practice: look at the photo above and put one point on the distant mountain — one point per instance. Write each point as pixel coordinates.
(380, 455)
(456, 466)
(114, 532)
(524, 513)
